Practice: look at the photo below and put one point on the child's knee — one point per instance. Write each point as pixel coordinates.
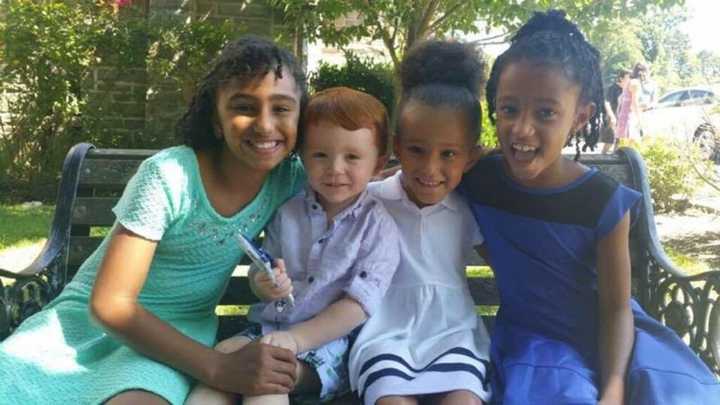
(203, 395)
(232, 344)
(461, 397)
(397, 400)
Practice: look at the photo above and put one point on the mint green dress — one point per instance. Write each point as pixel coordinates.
(62, 356)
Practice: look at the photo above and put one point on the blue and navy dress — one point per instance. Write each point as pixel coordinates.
(542, 247)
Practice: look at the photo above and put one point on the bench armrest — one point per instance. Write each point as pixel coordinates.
(687, 303)
(38, 283)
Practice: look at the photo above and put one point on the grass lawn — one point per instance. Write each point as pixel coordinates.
(20, 226)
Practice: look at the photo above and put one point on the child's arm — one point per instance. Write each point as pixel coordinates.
(616, 319)
(259, 369)
(376, 263)
(634, 98)
(260, 282)
(610, 114)
(337, 320)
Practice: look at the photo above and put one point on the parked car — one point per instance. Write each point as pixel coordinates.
(691, 114)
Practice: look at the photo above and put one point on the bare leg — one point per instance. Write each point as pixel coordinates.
(308, 381)
(397, 400)
(202, 394)
(459, 397)
(137, 397)
(281, 399)
(606, 147)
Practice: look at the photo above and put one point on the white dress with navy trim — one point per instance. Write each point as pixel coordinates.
(426, 337)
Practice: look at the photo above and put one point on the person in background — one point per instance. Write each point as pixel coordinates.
(612, 97)
(629, 113)
(648, 89)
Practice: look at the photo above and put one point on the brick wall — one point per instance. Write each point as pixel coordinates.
(132, 109)
(165, 104)
(5, 97)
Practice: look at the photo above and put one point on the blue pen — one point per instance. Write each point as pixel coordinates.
(263, 261)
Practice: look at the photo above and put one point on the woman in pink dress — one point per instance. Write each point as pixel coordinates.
(628, 113)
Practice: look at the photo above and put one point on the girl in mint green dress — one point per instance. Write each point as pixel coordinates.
(137, 323)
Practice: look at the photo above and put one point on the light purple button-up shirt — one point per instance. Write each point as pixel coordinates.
(356, 254)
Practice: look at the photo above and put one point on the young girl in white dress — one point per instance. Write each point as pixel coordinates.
(427, 343)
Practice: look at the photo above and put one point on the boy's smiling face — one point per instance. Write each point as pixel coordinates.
(339, 163)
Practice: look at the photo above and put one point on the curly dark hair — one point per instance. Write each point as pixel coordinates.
(550, 38)
(245, 59)
(444, 73)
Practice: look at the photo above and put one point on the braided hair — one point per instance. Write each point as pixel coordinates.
(246, 59)
(549, 38)
(441, 73)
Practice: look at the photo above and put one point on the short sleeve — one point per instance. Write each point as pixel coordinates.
(146, 205)
(378, 259)
(623, 200)
(473, 229)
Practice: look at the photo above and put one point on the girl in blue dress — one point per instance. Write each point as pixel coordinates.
(556, 235)
(137, 323)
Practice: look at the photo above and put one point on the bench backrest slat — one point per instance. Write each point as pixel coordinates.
(80, 248)
(108, 173)
(94, 211)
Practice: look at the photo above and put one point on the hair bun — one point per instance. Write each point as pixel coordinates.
(448, 63)
(551, 21)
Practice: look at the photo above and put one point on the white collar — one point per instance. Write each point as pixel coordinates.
(392, 189)
(310, 198)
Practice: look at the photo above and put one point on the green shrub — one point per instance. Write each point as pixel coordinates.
(47, 49)
(362, 74)
(50, 52)
(488, 135)
(670, 171)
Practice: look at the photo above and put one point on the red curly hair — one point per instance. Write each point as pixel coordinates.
(351, 110)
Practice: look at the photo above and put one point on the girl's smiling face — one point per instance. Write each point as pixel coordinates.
(258, 120)
(538, 109)
(434, 149)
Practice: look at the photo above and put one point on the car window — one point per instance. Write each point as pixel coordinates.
(671, 99)
(701, 97)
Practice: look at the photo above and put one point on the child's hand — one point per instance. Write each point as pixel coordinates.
(283, 339)
(266, 290)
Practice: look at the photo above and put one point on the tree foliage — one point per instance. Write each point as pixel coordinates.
(400, 23)
(366, 75)
(655, 38)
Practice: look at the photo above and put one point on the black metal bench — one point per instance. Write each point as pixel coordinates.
(93, 179)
